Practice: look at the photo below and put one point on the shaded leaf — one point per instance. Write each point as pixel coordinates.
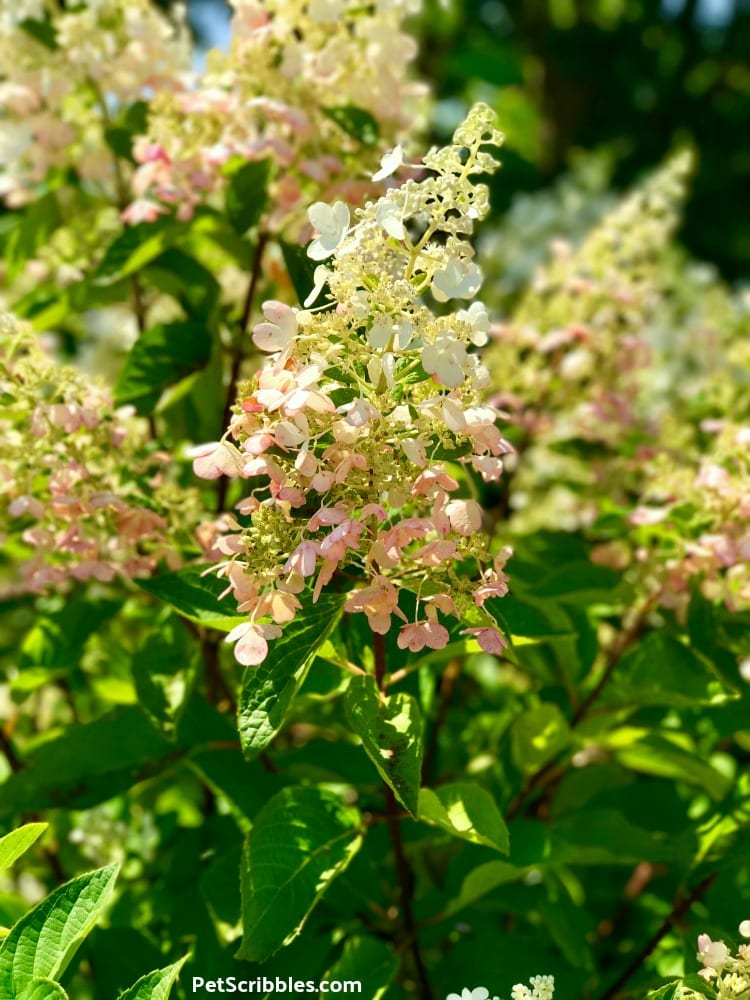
(186, 279)
(391, 732)
(136, 246)
(247, 194)
(161, 356)
(87, 764)
(537, 736)
(662, 671)
(268, 689)
(195, 597)
(301, 840)
(368, 960)
(465, 810)
(301, 269)
(356, 122)
(481, 881)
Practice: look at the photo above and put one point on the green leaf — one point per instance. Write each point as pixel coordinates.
(530, 619)
(301, 269)
(87, 764)
(662, 671)
(16, 843)
(38, 220)
(368, 960)
(537, 736)
(43, 942)
(136, 246)
(132, 122)
(42, 31)
(43, 989)
(301, 840)
(161, 356)
(155, 985)
(669, 992)
(164, 670)
(391, 732)
(356, 122)
(196, 597)
(579, 578)
(268, 689)
(481, 881)
(661, 756)
(596, 836)
(467, 811)
(186, 279)
(247, 194)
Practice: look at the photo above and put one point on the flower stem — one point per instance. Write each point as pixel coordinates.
(681, 906)
(403, 869)
(238, 353)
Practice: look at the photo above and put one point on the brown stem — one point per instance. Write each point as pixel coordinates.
(630, 634)
(14, 761)
(680, 908)
(551, 773)
(403, 869)
(238, 354)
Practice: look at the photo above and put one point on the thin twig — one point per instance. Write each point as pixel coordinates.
(680, 908)
(239, 354)
(405, 875)
(629, 635)
(551, 773)
(14, 761)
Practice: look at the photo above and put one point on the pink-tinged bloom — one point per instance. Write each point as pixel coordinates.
(493, 585)
(26, 505)
(490, 469)
(465, 516)
(417, 635)
(216, 459)
(303, 559)
(712, 477)
(489, 639)
(378, 602)
(713, 954)
(647, 515)
(326, 515)
(279, 605)
(250, 638)
(279, 330)
(434, 553)
(142, 210)
(375, 510)
(93, 569)
(430, 481)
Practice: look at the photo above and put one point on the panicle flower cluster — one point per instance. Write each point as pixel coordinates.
(309, 84)
(512, 250)
(65, 71)
(542, 988)
(694, 520)
(575, 343)
(358, 432)
(576, 355)
(729, 974)
(79, 489)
